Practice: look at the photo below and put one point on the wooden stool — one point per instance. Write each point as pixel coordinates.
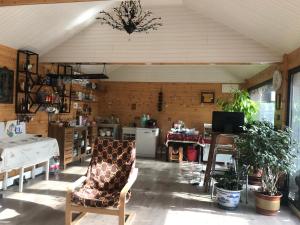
(224, 146)
(175, 155)
(220, 144)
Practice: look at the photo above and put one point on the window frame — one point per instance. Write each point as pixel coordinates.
(259, 85)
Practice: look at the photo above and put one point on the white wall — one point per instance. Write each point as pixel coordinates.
(178, 73)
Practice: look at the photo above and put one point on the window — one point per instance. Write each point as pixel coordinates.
(294, 123)
(264, 96)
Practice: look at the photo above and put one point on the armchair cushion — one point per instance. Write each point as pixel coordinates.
(109, 170)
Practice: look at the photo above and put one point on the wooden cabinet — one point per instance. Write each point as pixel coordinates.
(92, 135)
(106, 130)
(72, 142)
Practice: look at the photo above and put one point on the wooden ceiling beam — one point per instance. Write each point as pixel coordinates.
(163, 63)
(37, 2)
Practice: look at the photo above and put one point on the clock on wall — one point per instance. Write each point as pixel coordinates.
(277, 80)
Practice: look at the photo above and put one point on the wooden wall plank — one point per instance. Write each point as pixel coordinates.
(36, 2)
(8, 59)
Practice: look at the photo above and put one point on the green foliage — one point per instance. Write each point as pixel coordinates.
(240, 102)
(264, 147)
(229, 180)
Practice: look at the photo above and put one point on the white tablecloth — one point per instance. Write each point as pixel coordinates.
(26, 150)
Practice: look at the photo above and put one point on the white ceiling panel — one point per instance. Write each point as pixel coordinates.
(186, 36)
(42, 27)
(273, 23)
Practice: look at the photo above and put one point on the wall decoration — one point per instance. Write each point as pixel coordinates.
(6, 85)
(129, 16)
(133, 106)
(229, 88)
(278, 102)
(208, 97)
(160, 102)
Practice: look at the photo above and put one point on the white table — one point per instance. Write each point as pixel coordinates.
(24, 151)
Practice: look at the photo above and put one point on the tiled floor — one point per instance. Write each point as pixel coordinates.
(162, 195)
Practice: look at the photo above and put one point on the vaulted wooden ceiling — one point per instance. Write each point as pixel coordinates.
(273, 23)
(194, 32)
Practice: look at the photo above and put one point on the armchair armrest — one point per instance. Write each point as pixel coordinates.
(76, 184)
(131, 180)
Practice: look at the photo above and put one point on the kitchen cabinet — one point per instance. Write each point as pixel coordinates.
(72, 142)
(106, 130)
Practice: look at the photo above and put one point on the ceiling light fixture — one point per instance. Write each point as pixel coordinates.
(129, 16)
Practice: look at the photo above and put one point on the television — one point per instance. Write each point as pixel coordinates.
(228, 122)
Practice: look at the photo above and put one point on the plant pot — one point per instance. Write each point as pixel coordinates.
(255, 177)
(228, 199)
(254, 180)
(267, 205)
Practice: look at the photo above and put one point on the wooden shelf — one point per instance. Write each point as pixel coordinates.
(27, 98)
(87, 101)
(29, 72)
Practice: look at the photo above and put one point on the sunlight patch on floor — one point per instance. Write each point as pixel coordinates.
(195, 218)
(191, 196)
(78, 170)
(54, 202)
(49, 185)
(8, 214)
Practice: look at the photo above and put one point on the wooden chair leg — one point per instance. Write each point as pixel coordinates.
(68, 211)
(129, 218)
(122, 214)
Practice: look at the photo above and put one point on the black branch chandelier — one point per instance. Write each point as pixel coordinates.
(130, 17)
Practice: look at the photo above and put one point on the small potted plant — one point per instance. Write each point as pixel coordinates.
(271, 150)
(228, 189)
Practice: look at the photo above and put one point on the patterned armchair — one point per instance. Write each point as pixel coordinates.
(105, 188)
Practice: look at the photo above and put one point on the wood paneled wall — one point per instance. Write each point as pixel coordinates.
(7, 59)
(263, 76)
(181, 101)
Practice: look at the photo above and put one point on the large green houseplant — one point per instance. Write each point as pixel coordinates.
(262, 146)
(240, 102)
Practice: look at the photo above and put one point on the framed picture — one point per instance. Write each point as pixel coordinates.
(208, 97)
(6, 86)
(278, 102)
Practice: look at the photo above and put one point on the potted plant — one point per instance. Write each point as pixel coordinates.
(262, 146)
(240, 102)
(228, 188)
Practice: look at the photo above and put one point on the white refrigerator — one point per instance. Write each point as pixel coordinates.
(146, 142)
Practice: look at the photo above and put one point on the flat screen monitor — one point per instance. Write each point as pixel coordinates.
(227, 122)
